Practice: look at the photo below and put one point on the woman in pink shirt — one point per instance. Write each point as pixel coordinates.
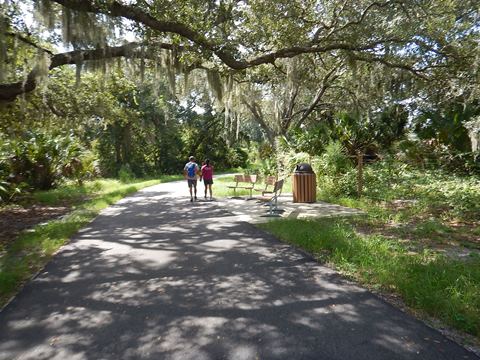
(207, 175)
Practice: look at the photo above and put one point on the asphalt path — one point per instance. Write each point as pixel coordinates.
(157, 277)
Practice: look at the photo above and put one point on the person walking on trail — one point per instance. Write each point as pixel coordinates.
(190, 172)
(207, 174)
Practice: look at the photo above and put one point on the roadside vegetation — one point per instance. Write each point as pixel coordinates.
(418, 243)
(443, 287)
(419, 238)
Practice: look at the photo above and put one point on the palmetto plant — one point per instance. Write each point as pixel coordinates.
(39, 160)
(8, 191)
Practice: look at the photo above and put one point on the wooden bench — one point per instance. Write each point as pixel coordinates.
(269, 185)
(246, 182)
(272, 201)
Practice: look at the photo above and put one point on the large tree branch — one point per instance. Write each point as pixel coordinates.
(27, 41)
(224, 51)
(358, 21)
(313, 49)
(288, 111)
(8, 92)
(136, 14)
(327, 81)
(256, 112)
(395, 65)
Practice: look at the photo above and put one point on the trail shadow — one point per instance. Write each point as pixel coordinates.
(157, 277)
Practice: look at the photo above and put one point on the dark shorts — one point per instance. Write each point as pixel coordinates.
(208, 181)
(192, 183)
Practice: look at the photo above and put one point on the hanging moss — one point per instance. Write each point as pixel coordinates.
(67, 26)
(156, 77)
(186, 82)
(42, 65)
(3, 46)
(168, 63)
(108, 66)
(215, 84)
(103, 64)
(79, 29)
(237, 121)
(142, 64)
(352, 64)
(292, 71)
(41, 69)
(45, 13)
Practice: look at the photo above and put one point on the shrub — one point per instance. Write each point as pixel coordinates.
(237, 157)
(125, 174)
(288, 159)
(39, 160)
(263, 159)
(335, 172)
(334, 160)
(429, 154)
(8, 191)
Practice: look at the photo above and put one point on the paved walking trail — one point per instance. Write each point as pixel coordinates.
(156, 277)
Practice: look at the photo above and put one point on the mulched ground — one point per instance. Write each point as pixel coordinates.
(15, 219)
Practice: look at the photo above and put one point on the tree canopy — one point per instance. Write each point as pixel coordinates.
(283, 65)
(420, 37)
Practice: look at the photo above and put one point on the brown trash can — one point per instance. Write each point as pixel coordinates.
(304, 184)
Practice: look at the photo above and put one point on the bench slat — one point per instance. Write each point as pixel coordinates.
(242, 180)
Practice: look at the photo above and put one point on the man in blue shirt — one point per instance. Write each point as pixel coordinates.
(190, 172)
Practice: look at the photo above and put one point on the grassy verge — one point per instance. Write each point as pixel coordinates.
(439, 286)
(33, 249)
(424, 210)
(420, 240)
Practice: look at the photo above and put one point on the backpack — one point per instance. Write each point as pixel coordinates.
(191, 170)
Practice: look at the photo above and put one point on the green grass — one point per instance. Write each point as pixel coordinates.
(431, 227)
(444, 195)
(441, 287)
(428, 205)
(33, 249)
(72, 193)
(397, 247)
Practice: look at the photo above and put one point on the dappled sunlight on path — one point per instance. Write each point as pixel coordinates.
(158, 277)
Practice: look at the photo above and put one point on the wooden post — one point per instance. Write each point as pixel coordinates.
(359, 173)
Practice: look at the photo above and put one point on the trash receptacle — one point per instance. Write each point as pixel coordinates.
(304, 184)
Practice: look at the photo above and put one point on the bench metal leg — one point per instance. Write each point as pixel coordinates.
(273, 210)
(271, 214)
(274, 207)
